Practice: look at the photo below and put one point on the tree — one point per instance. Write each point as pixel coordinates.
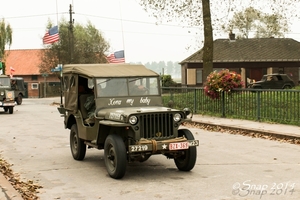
(167, 81)
(5, 39)
(89, 47)
(188, 12)
(253, 20)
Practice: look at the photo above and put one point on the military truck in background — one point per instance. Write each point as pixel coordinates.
(7, 96)
(128, 118)
(17, 85)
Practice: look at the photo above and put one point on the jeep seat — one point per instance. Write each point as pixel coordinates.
(82, 100)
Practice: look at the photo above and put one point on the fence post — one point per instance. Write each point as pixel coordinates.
(195, 101)
(223, 103)
(258, 105)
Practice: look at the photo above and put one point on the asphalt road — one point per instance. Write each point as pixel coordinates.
(228, 167)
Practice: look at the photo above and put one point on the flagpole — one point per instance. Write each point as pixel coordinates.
(122, 28)
(56, 13)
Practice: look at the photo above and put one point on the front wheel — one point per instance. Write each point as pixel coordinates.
(11, 110)
(187, 160)
(115, 157)
(78, 148)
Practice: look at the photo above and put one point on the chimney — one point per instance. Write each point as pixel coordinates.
(231, 36)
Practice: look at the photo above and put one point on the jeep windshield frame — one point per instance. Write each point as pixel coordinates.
(127, 86)
(4, 82)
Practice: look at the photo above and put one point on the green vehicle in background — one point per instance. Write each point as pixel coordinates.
(17, 85)
(118, 108)
(7, 96)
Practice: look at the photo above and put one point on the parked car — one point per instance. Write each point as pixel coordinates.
(273, 81)
(118, 108)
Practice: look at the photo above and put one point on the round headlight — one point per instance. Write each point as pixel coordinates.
(2, 93)
(177, 117)
(133, 120)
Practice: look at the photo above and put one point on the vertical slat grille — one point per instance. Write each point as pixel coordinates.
(158, 125)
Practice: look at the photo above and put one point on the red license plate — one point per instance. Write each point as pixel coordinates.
(179, 146)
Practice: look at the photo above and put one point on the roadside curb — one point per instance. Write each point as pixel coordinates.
(274, 134)
(7, 191)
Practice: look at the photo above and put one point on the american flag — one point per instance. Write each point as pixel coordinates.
(51, 35)
(116, 57)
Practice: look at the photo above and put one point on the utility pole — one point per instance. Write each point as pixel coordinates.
(71, 36)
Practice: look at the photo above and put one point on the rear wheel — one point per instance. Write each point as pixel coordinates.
(78, 148)
(19, 99)
(287, 87)
(115, 157)
(187, 161)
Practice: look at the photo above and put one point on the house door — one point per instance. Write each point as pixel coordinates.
(256, 73)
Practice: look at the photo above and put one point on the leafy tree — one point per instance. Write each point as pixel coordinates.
(5, 39)
(89, 47)
(253, 20)
(189, 12)
(167, 81)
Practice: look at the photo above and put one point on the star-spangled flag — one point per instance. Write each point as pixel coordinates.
(51, 36)
(116, 57)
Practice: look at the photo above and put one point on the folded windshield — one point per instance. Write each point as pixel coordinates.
(111, 87)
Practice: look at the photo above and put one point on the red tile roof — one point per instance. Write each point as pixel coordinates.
(24, 61)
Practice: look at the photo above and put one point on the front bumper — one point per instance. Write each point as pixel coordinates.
(155, 146)
(7, 103)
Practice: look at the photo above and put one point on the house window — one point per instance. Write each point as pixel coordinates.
(191, 77)
(199, 76)
(34, 86)
(34, 77)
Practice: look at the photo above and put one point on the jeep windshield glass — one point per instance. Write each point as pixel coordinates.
(122, 87)
(5, 82)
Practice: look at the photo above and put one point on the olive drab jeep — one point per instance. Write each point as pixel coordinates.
(118, 108)
(7, 97)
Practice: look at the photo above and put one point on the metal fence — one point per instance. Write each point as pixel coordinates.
(278, 106)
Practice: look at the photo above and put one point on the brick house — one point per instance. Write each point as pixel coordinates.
(26, 65)
(252, 58)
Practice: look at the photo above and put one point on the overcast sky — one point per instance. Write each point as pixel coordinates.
(123, 23)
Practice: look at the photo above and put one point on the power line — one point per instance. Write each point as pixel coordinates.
(28, 16)
(135, 21)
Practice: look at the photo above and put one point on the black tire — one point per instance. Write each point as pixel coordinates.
(5, 109)
(19, 99)
(187, 161)
(287, 87)
(78, 148)
(11, 110)
(115, 157)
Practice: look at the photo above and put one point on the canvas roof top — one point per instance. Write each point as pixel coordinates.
(108, 70)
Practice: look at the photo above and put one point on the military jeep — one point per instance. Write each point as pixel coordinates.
(128, 121)
(7, 96)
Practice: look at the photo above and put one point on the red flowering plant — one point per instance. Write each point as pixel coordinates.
(223, 80)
